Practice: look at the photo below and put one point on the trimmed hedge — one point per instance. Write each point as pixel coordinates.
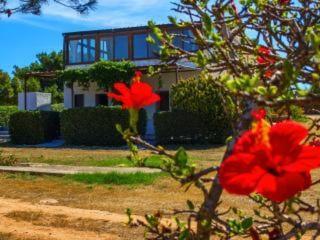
(185, 127)
(34, 127)
(5, 112)
(95, 126)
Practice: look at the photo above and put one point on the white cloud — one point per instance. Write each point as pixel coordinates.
(114, 13)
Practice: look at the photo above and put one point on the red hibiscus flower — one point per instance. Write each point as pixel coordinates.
(137, 96)
(271, 161)
(284, 2)
(266, 60)
(264, 57)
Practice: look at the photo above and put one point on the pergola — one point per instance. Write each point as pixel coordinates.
(49, 75)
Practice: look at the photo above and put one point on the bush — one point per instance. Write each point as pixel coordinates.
(185, 127)
(95, 126)
(201, 103)
(33, 127)
(57, 107)
(5, 112)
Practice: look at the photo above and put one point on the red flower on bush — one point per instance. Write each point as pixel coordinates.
(137, 96)
(283, 2)
(271, 161)
(265, 59)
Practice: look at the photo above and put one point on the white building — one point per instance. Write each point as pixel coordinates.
(84, 48)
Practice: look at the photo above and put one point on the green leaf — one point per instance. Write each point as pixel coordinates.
(207, 23)
(119, 128)
(190, 205)
(181, 157)
(247, 223)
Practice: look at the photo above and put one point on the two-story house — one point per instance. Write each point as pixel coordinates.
(84, 48)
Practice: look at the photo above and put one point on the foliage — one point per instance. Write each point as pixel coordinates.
(96, 126)
(169, 129)
(33, 127)
(5, 112)
(52, 61)
(6, 91)
(56, 94)
(58, 107)
(104, 73)
(35, 6)
(7, 160)
(115, 178)
(200, 96)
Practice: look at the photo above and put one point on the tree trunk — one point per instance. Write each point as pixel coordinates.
(207, 210)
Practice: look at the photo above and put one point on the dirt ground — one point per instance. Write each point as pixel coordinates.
(51, 208)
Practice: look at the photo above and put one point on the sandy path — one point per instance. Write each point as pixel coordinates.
(23, 229)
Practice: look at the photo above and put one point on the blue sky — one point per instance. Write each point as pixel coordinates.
(23, 36)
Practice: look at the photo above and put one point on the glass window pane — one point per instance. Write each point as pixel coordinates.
(92, 52)
(177, 40)
(121, 47)
(88, 50)
(74, 51)
(154, 49)
(106, 48)
(140, 46)
(189, 42)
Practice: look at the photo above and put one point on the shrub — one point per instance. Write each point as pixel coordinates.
(184, 127)
(202, 105)
(95, 126)
(57, 107)
(33, 127)
(5, 112)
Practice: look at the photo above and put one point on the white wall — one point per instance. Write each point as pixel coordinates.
(35, 101)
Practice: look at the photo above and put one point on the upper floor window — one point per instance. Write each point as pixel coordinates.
(74, 51)
(140, 46)
(143, 49)
(88, 50)
(189, 41)
(121, 47)
(106, 48)
(82, 50)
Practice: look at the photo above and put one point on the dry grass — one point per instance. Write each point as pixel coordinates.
(79, 224)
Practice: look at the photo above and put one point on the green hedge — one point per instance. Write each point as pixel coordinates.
(95, 126)
(185, 127)
(5, 112)
(34, 127)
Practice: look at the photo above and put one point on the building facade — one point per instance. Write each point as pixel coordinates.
(84, 48)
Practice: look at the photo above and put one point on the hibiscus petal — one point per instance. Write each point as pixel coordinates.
(245, 143)
(152, 99)
(283, 187)
(286, 136)
(122, 89)
(141, 92)
(239, 174)
(305, 158)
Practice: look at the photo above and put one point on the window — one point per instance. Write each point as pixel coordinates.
(78, 100)
(164, 104)
(74, 49)
(89, 50)
(121, 47)
(177, 40)
(140, 46)
(101, 99)
(189, 42)
(106, 48)
(82, 50)
(154, 49)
